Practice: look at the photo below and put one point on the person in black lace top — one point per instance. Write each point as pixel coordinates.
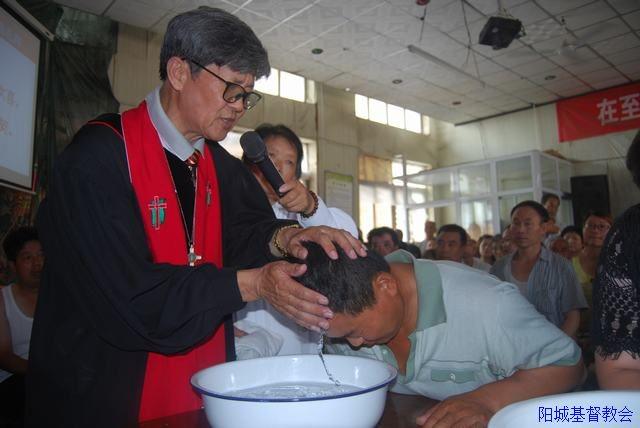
(616, 296)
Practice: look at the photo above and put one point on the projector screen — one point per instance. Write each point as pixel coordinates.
(20, 57)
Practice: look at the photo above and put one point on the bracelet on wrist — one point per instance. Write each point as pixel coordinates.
(315, 205)
(276, 241)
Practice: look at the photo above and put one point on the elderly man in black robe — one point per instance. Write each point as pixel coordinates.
(154, 235)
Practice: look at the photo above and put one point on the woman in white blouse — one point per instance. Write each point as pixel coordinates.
(260, 330)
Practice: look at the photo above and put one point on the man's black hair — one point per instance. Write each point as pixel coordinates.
(209, 35)
(345, 282)
(16, 239)
(633, 159)
(542, 211)
(571, 229)
(548, 196)
(381, 231)
(455, 229)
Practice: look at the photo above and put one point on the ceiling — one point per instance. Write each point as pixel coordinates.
(365, 47)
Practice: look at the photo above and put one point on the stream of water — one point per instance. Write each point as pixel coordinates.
(320, 346)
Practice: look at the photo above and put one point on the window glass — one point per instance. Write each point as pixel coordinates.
(514, 174)
(426, 125)
(414, 168)
(395, 115)
(292, 86)
(474, 180)
(396, 169)
(362, 107)
(412, 121)
(436, 186)
(377, 111)
(311, 92)
(477, 217)
(268, 85)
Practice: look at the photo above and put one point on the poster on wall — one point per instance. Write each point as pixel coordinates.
(603, 112)
(338, 191)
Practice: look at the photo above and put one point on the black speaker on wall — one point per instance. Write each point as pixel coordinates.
(589, 192)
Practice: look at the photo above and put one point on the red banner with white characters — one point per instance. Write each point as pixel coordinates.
(599, 113)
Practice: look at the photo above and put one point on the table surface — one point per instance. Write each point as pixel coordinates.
(400, 411)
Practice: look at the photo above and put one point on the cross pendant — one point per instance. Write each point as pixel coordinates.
(192, 257)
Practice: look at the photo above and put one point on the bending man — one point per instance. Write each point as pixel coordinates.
(453, 333)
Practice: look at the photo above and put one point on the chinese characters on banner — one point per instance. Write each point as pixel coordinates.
(579, 414)
(599, 113)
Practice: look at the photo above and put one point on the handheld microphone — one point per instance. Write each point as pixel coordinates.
(256, 152)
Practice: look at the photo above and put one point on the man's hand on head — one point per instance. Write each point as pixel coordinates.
(274, 282)
(460, 411)
(292, 239)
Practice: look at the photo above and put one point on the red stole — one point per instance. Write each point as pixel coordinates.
(167, 388)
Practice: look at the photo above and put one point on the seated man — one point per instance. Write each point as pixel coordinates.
(383, 240)
(470, 253)
(451, 242)
(455, 245)
(17, 306)
(453, 333)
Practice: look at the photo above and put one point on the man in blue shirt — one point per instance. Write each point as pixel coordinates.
(546, 279)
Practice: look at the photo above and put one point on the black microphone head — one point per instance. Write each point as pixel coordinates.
(253, 146)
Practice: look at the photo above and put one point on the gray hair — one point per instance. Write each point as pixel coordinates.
(213, 36)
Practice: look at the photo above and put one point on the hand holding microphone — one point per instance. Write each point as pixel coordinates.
(256, 152)
(295, 197)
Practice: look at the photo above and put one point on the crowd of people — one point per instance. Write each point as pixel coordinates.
(554, 269)
(165, 255)
(561, 270)
(531, 253)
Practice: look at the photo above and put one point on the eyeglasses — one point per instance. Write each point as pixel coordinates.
(599, 227)
(234, 92)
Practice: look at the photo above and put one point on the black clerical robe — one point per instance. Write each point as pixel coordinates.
(103, 304)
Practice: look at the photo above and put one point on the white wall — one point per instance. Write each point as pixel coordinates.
(537, 129)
